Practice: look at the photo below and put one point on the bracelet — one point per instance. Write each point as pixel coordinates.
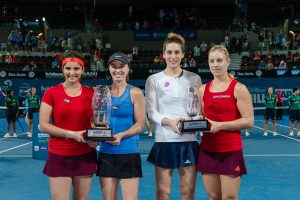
(67, 134)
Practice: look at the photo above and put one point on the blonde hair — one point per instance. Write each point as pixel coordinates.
(222, 49)
(219, 48)
(174, 38)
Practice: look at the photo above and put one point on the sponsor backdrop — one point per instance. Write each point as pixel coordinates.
(39, 140)
(162, 34)
(256, 86)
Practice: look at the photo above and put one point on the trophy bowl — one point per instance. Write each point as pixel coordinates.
(192, 108)
(101, 106)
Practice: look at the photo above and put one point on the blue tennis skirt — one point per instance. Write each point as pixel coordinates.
(172, 155)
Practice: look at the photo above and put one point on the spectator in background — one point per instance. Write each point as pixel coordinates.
(256, 56)
(279, 105)
(33, 66)
(14, 58)
(282, 65)
(34, 42)
(185, 63)
(97, 60)
(20, 41)
(262, 65)
(63, 44)
(26, 68)
(156, 60)
(226, 41)
(203, 48)
(70, 43)
(8, 58)
(270, 65)
(296, 57)
(78, 44)
(25, 111)
(253, 27)
(51, 42)
(137, 25)
(56, 62)
(197, 52)
(192, 62)
(97, 26)
(135, 52)
(120, 25)
(145, 25)
(130, 11)
(270, 103)
(12, 112)
(12, 40)
(99, 43)
(294, 107)
(161, 59)
(289, 56)
(34, 102)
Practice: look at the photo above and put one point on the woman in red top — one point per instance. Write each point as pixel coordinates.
(227, 105)
(70, 162)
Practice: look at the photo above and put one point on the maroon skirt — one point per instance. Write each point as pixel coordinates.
(62, 166)
(222, 163)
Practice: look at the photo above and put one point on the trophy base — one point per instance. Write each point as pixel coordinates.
(194, 125)
(99, 134)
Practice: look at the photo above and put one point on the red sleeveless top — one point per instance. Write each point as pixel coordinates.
(221, 107)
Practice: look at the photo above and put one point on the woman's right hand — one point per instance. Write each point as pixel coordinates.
(174, 124)
(76, 135)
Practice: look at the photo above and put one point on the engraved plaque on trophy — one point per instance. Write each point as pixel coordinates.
(101, 106)
(193, 108)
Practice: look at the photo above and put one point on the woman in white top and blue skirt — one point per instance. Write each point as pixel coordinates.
(165, 102)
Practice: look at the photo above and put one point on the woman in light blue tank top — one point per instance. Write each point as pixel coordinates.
(119, 160)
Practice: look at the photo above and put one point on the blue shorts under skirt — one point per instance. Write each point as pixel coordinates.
(172, 155)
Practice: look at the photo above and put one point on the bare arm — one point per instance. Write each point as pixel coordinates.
(47, 127)
(200, 93)
(245, 107)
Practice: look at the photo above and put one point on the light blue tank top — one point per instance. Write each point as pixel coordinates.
(121, 119)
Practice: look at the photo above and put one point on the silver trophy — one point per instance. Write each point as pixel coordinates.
(193, 108)
(101, 106)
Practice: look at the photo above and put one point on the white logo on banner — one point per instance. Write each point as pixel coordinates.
(2, 74)
(258, 73)
(31, 74)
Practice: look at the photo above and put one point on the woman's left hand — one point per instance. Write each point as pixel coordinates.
(215, 126)
(117, 141)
